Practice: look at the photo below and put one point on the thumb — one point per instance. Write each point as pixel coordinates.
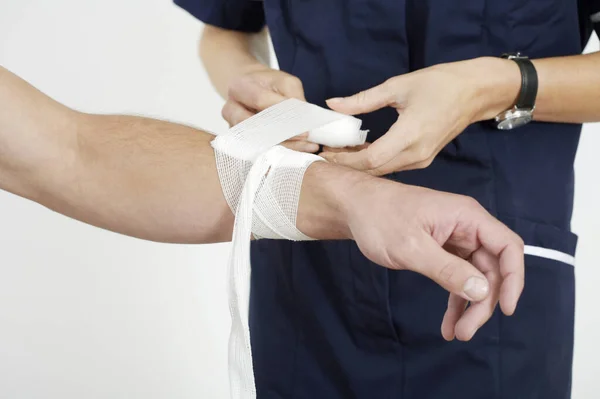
(366, 101)
(454, 274)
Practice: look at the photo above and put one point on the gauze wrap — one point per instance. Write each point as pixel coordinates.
(261, 182)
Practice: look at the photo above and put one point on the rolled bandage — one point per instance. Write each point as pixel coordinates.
(261, 182)
(344, 132)
(237, 149)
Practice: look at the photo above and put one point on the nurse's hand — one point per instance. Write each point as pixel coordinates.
(260, 87)
(434, 105)
(449, 238)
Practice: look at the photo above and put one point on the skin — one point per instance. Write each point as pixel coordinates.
(436, 104)
(158, 181)
(235, 64)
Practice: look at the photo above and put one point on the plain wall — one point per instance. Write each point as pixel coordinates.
(86, 313)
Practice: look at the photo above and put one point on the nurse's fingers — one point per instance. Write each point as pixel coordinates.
(290, 86)
(234, 112)
(425, 256)
(387, 93)
(479, 313)
(508, 248)
(378, 158)
(254, 96)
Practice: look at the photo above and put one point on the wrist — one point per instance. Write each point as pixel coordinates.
(327, 200)
(250, 66)
(227, 55)
(496, 85)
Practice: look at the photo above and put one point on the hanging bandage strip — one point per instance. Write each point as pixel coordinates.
(261, 182)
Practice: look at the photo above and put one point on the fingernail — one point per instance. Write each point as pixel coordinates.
(476, 288)
(335, 100)
(311, 147)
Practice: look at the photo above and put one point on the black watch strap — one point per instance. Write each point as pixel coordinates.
(529, 81)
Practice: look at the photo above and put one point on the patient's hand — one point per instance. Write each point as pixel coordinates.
(448, 238)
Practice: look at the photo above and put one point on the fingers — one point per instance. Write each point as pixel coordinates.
(456, 308)
(498, 253)
(508, 247)
(367, 101)
(464, 324)
(262, 89)
(377, 158)
(290, 86)
(253, 95)
(479, 313)
(234, 113)
(456, 275)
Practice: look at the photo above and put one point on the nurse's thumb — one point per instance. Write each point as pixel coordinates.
(366, 101)
(454, 274)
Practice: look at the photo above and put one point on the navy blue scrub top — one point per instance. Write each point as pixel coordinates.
(340, 47)
(326, 322)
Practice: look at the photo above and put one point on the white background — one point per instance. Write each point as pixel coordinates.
(85, 313)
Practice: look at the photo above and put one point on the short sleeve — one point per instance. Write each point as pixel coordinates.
(239, 15)
(595, 14)
(589, 19)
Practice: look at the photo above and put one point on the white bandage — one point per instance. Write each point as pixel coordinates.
(261, 182)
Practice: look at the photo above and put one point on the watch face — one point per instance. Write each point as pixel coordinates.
(514, 119)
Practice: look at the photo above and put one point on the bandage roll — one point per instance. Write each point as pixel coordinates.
(252, 137)
(344, 132)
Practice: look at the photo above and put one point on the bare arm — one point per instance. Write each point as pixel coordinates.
(569, 87)
(141, 177)
(157, 180)
(227, 54)
(439, 102)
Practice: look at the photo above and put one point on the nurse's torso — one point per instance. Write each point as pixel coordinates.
(326, 320)
(340, 47)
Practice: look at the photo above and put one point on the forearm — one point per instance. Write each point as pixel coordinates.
(158, 180)
(227, 54)
(569, 87)
(141, 177)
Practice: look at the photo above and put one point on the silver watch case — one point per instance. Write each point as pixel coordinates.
(513, 118)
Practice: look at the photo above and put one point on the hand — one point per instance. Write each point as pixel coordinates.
(448, 238)
(434, 106)
(260, 87)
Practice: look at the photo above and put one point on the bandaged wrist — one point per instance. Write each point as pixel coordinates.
(261, 182)
(237, 149)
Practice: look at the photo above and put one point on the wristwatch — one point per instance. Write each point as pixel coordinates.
(522, 112)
